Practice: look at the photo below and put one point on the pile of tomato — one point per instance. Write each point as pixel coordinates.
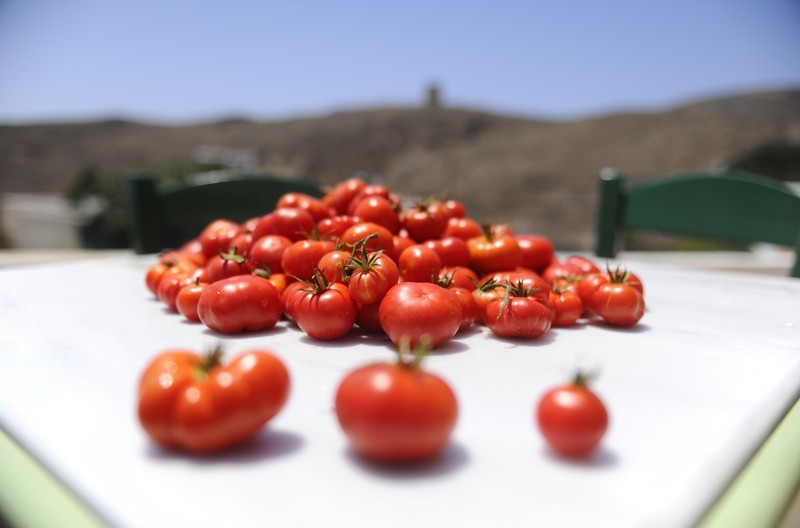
(357, 258)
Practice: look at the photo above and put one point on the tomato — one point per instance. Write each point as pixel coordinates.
(333, 265)
(537, 251)
(268, 251)
(187, 299)
(419, 263)
(425, 221)
(313, 206)
(227, 264)
(518, 314)
(371, 276)
(396, 412)
(384, 241)
(335, 226)
(290, 222)
(367, 317)
(453, 209)
(463, 228)
(572, 418)
(279, 280)
(452, 251)
(618, 303)
(484, 294)
(217, 236)
(419, 311)
(300, 259)
(378, 210)
(170, 286)
(191, 250)
(494, 253)
(591, 282)
(242, 243)
(373, 189)
(195, 403)
(290, 297)
(583, 264)
(340, 196)
(170, 266)
(399, 244)
(460, 276)
(324, 310)
(242, 302)
(567, 307)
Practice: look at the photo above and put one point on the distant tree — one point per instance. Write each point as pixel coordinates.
(776, 159)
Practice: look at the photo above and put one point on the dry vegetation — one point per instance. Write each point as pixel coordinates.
(538, 176)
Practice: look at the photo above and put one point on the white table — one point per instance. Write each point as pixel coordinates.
(693, 390)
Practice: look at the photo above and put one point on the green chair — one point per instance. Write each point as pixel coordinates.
(734, 206)
(168, 215)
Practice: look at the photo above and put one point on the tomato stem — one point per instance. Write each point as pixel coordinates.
(211, 361)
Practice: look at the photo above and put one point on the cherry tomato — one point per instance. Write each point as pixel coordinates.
(227, 264)
(460, 276)
(170, 286)
(396, 412)
(333, 265)
(384, 241)
(618, 303)
(291, 222)
(268, 251)
(463, 228)
(494, 253)
(242, 302)
(567, 307)
(419, 311)
(335, 226)
(452, 251)
(192, 402)
(425, 221)
(572, 418)
(300, 259)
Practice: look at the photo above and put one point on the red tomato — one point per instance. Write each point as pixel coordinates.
(367, 317)
(173, 266)
(334, 227)
(169, 287)
(572, 418)
(618, 303)
(340, 196)
(400, 243)
(453, 209)
(227, 264)
(419, 263)
(419, 311)
(460, 277)
(375, 190)
(333, 265)
(463, 228)
(187, 299)
(452, 251)
(314, 206)
(378, 210)
(192, 402)
(267, 252)
(519, 314)
(355, 234)
(290, 297)
(424, 222)
(300, 259)
(567, 307)
(217, 236)
(372, 274)
(491, 253)
(537, 251)
(324, 310)
(290, 222)
(243, 302)
(396, 413)
(583, 264)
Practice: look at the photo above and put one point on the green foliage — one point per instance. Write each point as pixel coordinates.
(776, 159)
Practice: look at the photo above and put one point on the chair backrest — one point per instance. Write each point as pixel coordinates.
(166, 216)
(736, 206)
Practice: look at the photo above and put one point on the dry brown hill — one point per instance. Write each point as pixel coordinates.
(539, 176)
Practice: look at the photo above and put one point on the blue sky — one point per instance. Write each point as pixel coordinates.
(180, 61)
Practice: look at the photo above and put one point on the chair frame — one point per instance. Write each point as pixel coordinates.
(163, 216)
(736, 206)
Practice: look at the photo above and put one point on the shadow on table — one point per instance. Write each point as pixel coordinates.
(357, 337)
(454, 457)
(603, 458)
(268, 444)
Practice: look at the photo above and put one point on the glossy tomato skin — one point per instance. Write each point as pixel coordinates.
(425, 222)
(378, 210)
(520, 317)
(463, 228)
(268, 251)
(488, 254)
(343, 193)
(335, 226)
(384, 241)
(313, 206)
(290, 222)
(187, 299)
(419, 263)
(537, 251)
(328, 314)
(453, 251)
(369, 285)
(566, 306)
(618, 304)
(419, 309)
(236, 304)
(392, 413)
(300, 259)
(221, 408)
(217, 236)
(572, 419)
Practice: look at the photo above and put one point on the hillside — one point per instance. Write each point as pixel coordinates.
(539, 176)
